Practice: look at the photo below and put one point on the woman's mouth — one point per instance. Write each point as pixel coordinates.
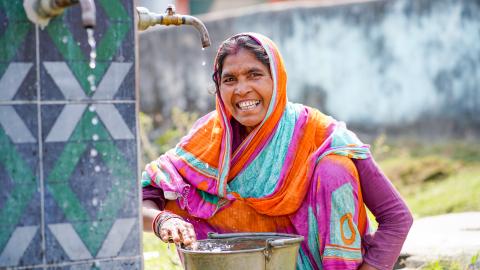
(248, 104)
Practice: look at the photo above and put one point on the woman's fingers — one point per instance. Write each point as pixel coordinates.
(175, 235)
(165, 235)
(178, 231)
(187, 233)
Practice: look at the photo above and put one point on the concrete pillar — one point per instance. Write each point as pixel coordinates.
(69, 197)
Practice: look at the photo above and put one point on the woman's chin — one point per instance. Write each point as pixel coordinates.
(249, 123)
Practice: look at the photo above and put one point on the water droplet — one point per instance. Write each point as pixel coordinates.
(91, 108)
(95, 137)
(94, 120)
(97, 168)
(94, 224)
(91, 81)
(203, 49)
(94, 201)
(93, 152)
(65, 39)
(93, 50)
(204, 63)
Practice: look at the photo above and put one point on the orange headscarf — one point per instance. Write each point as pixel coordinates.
(199, 169)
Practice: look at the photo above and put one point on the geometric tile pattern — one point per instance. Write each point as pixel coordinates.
(69, 197)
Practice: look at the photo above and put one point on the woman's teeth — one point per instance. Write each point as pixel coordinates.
(248, 105)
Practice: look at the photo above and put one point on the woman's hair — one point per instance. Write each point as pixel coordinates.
(231, 46)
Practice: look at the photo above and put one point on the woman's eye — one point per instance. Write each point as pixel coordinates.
(229, 79)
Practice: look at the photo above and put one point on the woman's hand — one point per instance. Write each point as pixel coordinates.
(178, 231)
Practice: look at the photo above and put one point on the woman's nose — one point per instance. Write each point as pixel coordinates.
(242, 88)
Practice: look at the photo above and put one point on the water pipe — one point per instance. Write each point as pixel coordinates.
(41, 11)
(147, 19)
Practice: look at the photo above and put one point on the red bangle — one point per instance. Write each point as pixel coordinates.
(154, 222)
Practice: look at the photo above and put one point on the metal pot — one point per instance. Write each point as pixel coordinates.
(239, 251)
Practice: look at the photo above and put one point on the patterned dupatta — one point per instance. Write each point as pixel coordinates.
(270, 170)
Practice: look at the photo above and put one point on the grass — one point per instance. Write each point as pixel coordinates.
(435, 179)
(453, 265)
(158, 255)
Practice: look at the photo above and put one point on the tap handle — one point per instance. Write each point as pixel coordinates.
(170, 9)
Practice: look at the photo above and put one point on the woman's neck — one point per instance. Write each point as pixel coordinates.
(240, 132)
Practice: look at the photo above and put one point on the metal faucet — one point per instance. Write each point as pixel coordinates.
(147, 19)
(41, 11)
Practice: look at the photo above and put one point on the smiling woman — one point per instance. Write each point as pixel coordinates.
(246, 88)
(246, 85)
(259, 163)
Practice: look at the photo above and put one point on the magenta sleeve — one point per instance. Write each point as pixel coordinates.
(383, 247)
(154, 194)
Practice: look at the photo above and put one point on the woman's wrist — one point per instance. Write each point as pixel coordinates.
(160, 219)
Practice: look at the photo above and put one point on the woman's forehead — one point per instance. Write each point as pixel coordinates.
(243, 60)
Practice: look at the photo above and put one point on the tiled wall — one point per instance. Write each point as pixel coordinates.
(69, 197)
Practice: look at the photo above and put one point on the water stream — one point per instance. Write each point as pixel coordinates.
(93, 51)
(203, 57)
(93, 55)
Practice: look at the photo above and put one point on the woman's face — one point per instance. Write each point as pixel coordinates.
(246, 88)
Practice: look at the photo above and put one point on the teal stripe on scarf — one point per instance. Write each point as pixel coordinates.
(303, 263)
(346, 143)
(342, 203)
(268, 165)
(313, 243)
(336, 252)
(145, 179)
(208, 197)
(193, 161)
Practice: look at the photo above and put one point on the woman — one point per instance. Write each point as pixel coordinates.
(259, 163)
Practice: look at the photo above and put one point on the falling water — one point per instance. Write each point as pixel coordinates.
(93, 55)
(91, 81)
(204, 62)
(93, 50)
